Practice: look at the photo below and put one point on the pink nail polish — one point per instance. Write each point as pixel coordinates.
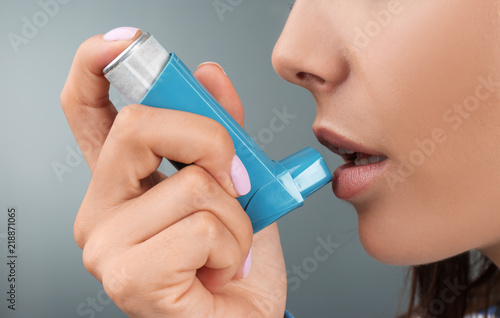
(120, 34)
(248, 263)
(239, 174)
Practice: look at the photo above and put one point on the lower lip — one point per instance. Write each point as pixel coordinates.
(350, 180)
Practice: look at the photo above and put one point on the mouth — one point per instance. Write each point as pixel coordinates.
(355, 157)
(363, 165)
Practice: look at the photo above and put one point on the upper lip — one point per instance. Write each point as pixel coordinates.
(334, 141)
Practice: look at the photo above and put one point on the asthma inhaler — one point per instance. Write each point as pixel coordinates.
(145, 73)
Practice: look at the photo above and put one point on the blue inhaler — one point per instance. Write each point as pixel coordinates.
(145, 73)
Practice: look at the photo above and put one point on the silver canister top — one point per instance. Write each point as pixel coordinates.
(136, 69)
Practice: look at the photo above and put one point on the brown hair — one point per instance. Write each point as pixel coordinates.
(452, 288)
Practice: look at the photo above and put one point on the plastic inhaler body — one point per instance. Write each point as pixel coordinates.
(276, 187)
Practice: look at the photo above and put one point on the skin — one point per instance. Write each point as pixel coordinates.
(402, 83)
(135, 224)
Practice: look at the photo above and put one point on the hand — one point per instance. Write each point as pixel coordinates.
(166, 247)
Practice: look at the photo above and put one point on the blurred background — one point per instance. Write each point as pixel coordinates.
(44, 177)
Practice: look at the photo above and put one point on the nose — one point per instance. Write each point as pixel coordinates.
(310, 50)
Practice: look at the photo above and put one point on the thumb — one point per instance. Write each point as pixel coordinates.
(85, 97)
(215, 80)
(86, 83)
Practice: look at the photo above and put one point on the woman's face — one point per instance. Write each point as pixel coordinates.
(416, 82)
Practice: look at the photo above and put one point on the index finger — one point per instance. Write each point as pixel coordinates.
(85, 96)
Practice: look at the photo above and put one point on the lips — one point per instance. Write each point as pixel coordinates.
(363, 165)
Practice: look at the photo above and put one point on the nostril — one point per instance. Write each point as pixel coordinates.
(308, 77)
(301, 76)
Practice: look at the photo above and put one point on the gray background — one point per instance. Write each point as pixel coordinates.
(52, 281)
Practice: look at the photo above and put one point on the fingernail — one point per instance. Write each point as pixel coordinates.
(212, 63)
(239, 175)
(248, 263)
(120, 34)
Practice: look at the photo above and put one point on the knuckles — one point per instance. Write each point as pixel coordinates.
(122, 287)
(81, 228)
(206, 195)
(98, 257)
(215, 145)
(127, 121)
(79, 234)
(100, 248)
(220, 141)
(207, 225)
(64, 98)
(201, 185)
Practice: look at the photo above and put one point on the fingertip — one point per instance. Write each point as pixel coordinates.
(215, 80)
(97, 52)
(207, 65)
(86, 83)
(247, 264)
(240, 177)
(121, 34)
(244, 268)
(102, 49)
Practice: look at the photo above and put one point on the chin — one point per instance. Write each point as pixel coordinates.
(398, 245)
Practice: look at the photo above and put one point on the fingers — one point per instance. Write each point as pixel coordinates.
(215, 247)
(167, 281)
(190, 190)
(85, 95)
(85, 98)
(184, 225)
(202, 232)
(141, 136)
(213, 77)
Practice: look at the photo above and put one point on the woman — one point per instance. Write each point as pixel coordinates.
(406, 91)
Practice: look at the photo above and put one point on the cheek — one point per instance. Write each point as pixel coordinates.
(428, 73)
